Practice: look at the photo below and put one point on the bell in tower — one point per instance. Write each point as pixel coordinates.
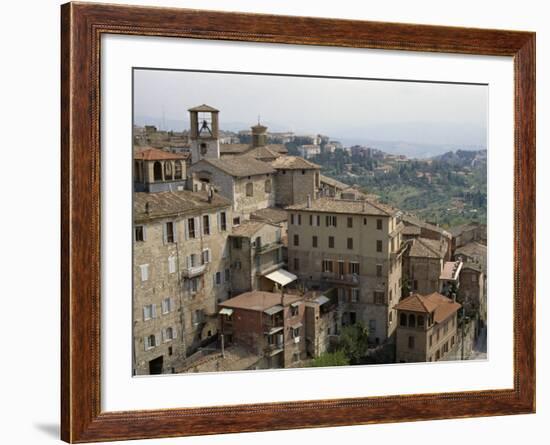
(204, 133)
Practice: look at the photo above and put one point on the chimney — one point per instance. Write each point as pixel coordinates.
(308, 201)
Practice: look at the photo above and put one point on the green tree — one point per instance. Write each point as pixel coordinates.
(336, 358)
(354, 343)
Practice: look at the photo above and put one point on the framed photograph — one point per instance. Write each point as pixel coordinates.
(276, 222)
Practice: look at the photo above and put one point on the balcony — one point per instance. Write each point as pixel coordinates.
(333, 277)
(265, 248)
(194, 271)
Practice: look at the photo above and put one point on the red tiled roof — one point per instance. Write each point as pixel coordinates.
(442, 306)
(156, 154)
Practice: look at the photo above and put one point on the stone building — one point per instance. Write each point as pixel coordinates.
(422, 264)
(473, 252)
(427, 328)
(256, 251)
(269, 324)
(245, 181)
(157, 170)
(354, 246)
(204, 133)
(468, 233)
(181, 271)
(259, 148)
(296, 180)
(472, 293)
(322, 323)
(415, 227)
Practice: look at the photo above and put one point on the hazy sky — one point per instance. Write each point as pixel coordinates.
(349, 109)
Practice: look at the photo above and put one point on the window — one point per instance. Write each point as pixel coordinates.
(403, 320)
(331, 242)
(330, 221)
(411, 342)
(150, 342)
(295, 332)
(292, 218)
(412, 321)
(379, 298)
(205, 257)
(299, 219)
(296, 264)
(372, 326)
(452, 341)
(139, 233)
(237, 243)
(437, 355)
(350, 243)
(391, 295)
(390, 317)
(196, 316)
(206, 225)
(378, 224)
(144, 269)
(379, 270)
(167, 305)
(294, 310)
(227, 275)
(379, 246)
(431, 340)
(340, 268)
(354, 268)
(314, 241)
(223, 221)
(169, 334)
(169, 232)
(194, 285)
(327, 266)
(310, 220)
(249, 189)
(354, 297)
(365, 221)
(318, 217)
(149, 311)
(420, 320)
(236, 221)
(267, 186)
(350, 221)
(296, 240)
(218, 278)
(191, 228)
(171, 264)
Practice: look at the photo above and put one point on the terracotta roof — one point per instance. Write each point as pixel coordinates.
(234, 148)
(333, 182)
(240, 166)
(156, 154)
(411, 230)
(259, 300)
(347, 206)
(249, 228)
(262, 153)
(293, 163)
(458, 230)
(167, 204)
(472, 249)
(442, 306)
(279, 148)
(412, 220)
(427, 248)
(451, 270)
(204, 108)
(274, 215)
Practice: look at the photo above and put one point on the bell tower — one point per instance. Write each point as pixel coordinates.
(204, 133)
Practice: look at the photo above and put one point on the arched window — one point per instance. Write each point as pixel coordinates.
(168, 170)
(268, 185)
(169, 335)
(403, 320)
(157, 171)
(412, 321)
(420, 321)
(178, 170)
(249, 189)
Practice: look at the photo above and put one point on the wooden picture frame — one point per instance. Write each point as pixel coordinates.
(82, 26)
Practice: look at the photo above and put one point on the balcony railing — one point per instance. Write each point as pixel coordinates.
(264, 248)
(194, 271)
(334, 277)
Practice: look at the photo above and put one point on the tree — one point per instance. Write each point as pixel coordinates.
(354, 342)
(336, 358)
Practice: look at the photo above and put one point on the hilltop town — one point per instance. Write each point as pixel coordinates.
(259, 250)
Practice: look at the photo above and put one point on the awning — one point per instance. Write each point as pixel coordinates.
(322, 300)
(281, 277)
(226, 311)
(273, 309)
(274, 330)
